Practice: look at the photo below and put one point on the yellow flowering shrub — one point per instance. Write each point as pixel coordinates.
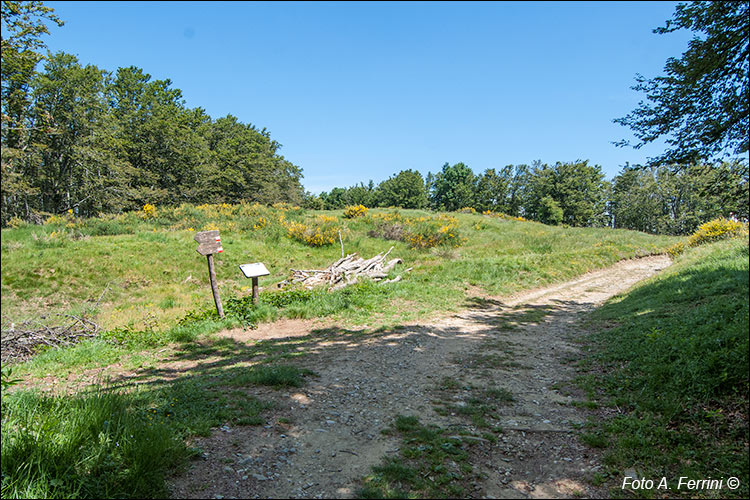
(432, 232)
(503, 216)
(354, 211)
(55, 219)
(15, 222)
(418, 232)
(713, 230)
(717, 229)
(387, 217)
(676, 249)
(467, 210)
(322, 232)
(259, 223)
(149, 211)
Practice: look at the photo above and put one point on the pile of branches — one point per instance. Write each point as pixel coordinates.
(20, 342)
(346, 271)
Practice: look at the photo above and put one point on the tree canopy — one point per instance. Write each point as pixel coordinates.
(700, 105)
(77, 137)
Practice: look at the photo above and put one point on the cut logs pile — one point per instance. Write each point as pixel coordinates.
(20, 342)
(346, 271)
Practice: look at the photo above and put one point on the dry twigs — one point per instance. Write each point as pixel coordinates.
(346, 271)
(21, 342)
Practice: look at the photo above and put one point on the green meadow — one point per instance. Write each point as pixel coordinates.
(141, 270)
(139, 277)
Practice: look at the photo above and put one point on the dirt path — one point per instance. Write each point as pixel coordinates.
(322, 439)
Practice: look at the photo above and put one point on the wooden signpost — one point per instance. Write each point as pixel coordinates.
(209, 243)
(254, 271)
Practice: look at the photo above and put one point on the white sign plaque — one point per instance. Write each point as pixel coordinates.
(254, 270)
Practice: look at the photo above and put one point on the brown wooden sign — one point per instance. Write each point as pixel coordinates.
(209, 242)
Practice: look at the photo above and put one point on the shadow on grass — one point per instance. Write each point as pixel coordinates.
(217, 380)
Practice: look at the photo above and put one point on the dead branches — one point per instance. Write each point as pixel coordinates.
(346, 271)
(21, 342)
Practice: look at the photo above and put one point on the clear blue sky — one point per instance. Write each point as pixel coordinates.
(360, 91)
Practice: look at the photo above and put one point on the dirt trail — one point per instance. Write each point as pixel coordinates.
(329, 433)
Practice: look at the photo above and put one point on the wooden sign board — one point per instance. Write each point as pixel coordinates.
(209, 242)
(254, 270)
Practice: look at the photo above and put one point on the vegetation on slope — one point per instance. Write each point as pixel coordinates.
(672, 357)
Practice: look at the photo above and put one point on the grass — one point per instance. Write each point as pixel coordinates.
(146, 270)
(431, 464)
(119, 277)
(120, 437)
(140, 277)
(109, 443)
(673, 354)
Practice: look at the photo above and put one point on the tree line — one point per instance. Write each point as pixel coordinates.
(77, 137)
(672, 199)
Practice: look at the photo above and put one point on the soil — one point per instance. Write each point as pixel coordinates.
(320, 440)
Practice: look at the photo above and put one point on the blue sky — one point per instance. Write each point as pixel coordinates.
(360, 91)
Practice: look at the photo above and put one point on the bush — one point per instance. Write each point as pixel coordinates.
(430, 233)
(149, 211)
(420, 232)
(717, 229)
(354, 211)
(322, 232)
(713, 230)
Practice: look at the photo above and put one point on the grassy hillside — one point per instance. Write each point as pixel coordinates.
(139, 276)
(141, 270)
(671, 358)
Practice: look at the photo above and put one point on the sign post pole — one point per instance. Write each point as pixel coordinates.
(254, 271)
(209, 244)
(214, 286)
(255, 290)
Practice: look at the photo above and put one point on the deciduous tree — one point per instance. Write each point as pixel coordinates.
(700, 105)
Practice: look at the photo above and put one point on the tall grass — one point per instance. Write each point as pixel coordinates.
(113, 443)
(92, 446)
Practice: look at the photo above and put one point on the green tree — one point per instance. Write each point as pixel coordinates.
(493, 189)
(700, 105)
(577, 187)
(453, 187)
(312, 201)
(664, 200)
(405, 189)
(635, 202)
(245, 166)
(518, 190)
(159, 138)
(550, 211)
(74, 165)
(23, 24)
(335, 199)
(360, 195)
(21, 45)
